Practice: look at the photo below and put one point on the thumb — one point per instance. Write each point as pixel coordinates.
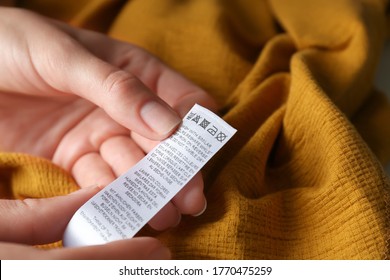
(49, 58)
(121, 94)
(140, 248)
(37, 221)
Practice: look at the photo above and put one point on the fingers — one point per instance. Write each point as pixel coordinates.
(136, 248)
(86, 137)
(55, 62)
(144, 248)
(37, 221)
(145, 144)
(177, 91)
(182, 96)
(169, 216)
(121, 94)
(118, 77)
(91, 169)
(115, 156)
(121, 153)
(191, 200)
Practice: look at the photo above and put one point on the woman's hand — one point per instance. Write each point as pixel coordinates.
(91, 104)
(37, 221)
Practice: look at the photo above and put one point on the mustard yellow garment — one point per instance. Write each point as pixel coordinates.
(302, 178)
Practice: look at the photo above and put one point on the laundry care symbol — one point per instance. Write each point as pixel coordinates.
(205, 124)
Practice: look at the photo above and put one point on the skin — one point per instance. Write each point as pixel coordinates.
(37, 221)
(91, 104)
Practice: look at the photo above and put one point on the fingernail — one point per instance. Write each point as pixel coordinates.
(159, 118)
(203, 210)
(160, 253)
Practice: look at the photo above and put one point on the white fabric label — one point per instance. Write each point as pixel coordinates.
(123, 207)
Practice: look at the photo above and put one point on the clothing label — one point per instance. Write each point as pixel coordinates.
(122, 208)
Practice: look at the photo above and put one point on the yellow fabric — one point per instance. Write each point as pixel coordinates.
(302, 178)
